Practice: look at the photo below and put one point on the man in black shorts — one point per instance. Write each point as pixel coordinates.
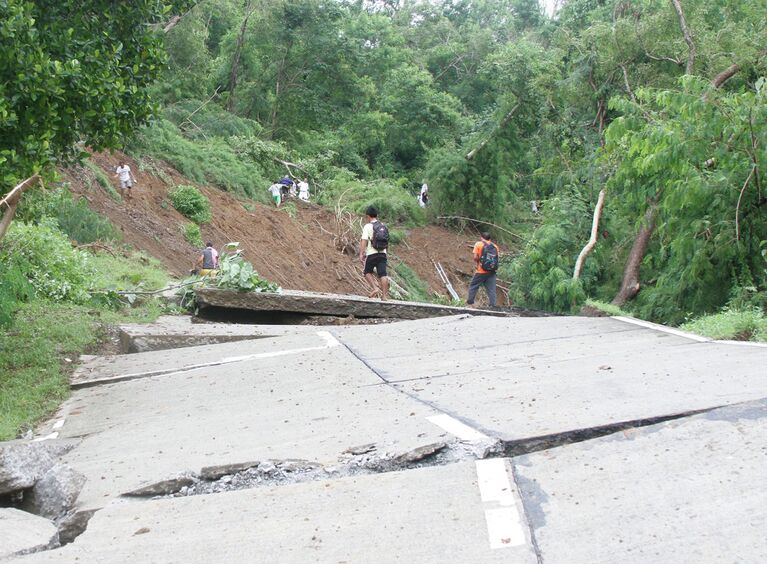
(375, 239)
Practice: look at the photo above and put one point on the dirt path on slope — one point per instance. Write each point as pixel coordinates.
(299, 253)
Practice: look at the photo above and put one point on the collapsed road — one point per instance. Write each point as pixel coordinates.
(463, 438)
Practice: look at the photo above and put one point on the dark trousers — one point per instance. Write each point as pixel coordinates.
(486, 280)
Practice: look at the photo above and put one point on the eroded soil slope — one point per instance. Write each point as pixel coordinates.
(302, 253)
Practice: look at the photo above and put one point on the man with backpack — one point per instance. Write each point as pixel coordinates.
(373, 246)
(486, 261)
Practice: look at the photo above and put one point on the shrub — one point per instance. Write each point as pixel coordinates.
(211, 161)
(192, 234)
(73, 216)
(190, 202)
(44, 255)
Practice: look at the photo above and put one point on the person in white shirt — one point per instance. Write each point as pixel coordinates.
(276, 191)
(127, 180)
(423, 197)
(303, 190)
(373, 254)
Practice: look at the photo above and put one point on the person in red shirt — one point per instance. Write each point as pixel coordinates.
(486, 261)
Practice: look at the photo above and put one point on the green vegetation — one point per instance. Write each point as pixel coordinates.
(73, 71)
(731, 325)
(193, 235)
(102, 180)
(192, 203)
(72, 216)
(55, 300)
(417, 290)
(235, 273)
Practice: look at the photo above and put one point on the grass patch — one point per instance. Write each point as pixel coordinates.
(736, 325)
(609, 309)
(128, 273)
(417, 289)
(103, 180)
(193, 235)
(41, 334)
(33, 382)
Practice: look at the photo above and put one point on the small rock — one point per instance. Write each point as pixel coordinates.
(74, 524)
(362, 449)
(163, 487)
(142, 531)
(419, 453)
(213, 473)
(226, 479)
(266, 468)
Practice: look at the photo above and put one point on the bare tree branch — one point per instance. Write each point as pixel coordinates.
(593, 239)
(725, 75)
(740, 197)
(473, 153)
(483, 223)
(687, 36)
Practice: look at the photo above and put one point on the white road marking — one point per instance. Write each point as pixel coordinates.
(504, 523)
(330, 342)
(662, 328)
(46, 438)
(455, 427)
(58, 424)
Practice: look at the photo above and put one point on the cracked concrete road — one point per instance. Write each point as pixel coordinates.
(642, 493)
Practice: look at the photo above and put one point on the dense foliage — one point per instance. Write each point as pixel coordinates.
(498, 105)
(71, 72)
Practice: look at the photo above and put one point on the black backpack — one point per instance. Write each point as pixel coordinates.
(488, 260)
(380, 236)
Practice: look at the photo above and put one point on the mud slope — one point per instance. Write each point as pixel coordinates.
(299, 253)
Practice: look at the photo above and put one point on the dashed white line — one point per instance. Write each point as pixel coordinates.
(455, 427)
(504, 523)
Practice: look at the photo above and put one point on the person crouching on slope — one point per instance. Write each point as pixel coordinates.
(373, 245)
(207, 262)
(486, 261)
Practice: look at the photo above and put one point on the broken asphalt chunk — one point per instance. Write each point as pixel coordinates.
(212, 473)
(163, 487)
(418, 454)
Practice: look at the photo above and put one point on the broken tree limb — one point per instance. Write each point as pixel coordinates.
(11, 201)
(725, 75)
(630, 285)
(445, 280)
(687, 36)
(593, 239)
(740, 197)
(483, 223)
(473, 153)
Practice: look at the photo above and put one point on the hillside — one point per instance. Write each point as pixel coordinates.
(300, 252)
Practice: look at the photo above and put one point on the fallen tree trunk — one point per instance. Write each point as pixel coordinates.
(11, 201)
(631, 285)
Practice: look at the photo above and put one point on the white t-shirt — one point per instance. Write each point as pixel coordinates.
(275, 189)
(303, 190)
(424, 189)
(123, 173)
(367, 235)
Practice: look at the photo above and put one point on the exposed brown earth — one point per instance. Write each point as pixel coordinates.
(300, 253)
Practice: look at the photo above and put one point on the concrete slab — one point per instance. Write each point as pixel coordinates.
(435, 514)
(312, 303)
(177, 331)
(98, 369)
(523, 378)
(22, 533)
(306, 404)
(690, 490)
